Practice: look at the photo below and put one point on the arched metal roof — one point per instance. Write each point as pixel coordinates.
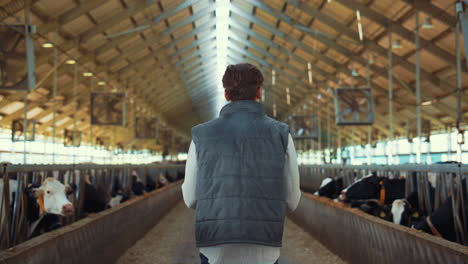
(165, 55)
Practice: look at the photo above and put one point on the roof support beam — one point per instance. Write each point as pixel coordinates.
(434, 11)
(397, 29)
(343, 50)
(72, 14)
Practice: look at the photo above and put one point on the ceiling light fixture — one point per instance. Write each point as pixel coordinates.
(361, 34)
(397, 44)
(309, 71)
(70, 62)
(354, 73)
(426, 103)
(87, 74)
(101, 83)
(47, 45)
(273, 77)
(427, 23)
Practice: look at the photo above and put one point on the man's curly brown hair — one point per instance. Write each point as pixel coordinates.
(241, 81)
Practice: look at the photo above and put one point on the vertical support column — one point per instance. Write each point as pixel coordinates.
(449, 143)
(91, 127)
(319, 120)
(29, 30)
(25, 126)
(75, 108)
(30, 73)
(328, 133)
(459, 86)
(339, 150)
(390, 98)
(369, 142)
(54, 113)
(352, 148)
(114, 135)
(418, 88)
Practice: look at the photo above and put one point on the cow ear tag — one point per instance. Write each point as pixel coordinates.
(40, 201)
(382, 193)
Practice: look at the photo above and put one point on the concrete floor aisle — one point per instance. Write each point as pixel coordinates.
(172, 242)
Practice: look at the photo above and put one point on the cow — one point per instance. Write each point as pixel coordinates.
(151, 184)
(374, 188)
(118, 194)
(163, 181)
(374, 195)
(441, 222)
(374, 208)
(330, 187)
(95, 198)
(137, 186)
(46, 204)
(407, 211)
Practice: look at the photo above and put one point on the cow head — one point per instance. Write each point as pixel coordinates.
(52, 197)
(375, 209)
(404, 214)
(327, 187)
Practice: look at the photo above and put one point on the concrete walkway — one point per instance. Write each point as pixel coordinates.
(172, 242)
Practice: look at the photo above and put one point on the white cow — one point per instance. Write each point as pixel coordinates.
(52, 198)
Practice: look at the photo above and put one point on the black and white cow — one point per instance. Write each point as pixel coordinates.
(374, 195)
(137, 186)
(407, 211)
(151, 184)
(95, 198)
(163, 180)
(330, 187)
(441, 221)
(373, 187)
(46, 204)
(118, 194)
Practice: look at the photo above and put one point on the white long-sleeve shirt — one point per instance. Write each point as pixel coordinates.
(243, 253)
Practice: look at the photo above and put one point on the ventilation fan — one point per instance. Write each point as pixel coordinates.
(303, 127)
(17, 130)
(72, 138)
(16, 58)
(108, 109)
(354, 106)
(145, 128)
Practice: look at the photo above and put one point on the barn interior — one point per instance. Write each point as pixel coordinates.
(99, 91)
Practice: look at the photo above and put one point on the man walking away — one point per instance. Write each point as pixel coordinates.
(241, 177)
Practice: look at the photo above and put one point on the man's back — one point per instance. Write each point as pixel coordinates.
(241, 191)
(241, 177)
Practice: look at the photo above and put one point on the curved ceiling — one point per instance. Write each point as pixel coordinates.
(168, 56)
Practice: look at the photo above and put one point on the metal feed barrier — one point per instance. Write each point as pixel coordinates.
(13, 224)
(449, 179)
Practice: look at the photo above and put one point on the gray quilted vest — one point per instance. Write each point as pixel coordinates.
(241, 188)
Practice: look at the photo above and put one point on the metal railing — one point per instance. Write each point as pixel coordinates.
(450, 181)
(13, 223)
